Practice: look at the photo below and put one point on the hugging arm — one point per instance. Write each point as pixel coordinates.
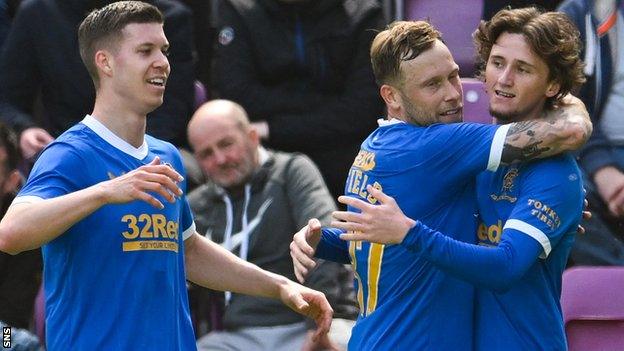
(565, 128)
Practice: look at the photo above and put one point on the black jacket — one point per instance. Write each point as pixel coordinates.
(306, 70)
(41, 55)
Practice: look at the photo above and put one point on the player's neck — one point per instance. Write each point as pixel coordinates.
(125, 123)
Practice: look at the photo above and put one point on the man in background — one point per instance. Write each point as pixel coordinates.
(254, 200)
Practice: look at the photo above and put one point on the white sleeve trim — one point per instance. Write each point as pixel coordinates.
(188, 232)
(496, 150)
(531, 231)
(26, 200)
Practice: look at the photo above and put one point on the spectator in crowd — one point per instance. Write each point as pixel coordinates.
(107, 202)
(602, 159)
(254, 200)
(20, 275)
(301, 70)
(41, 56)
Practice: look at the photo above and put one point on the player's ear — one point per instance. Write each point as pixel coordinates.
(553, 88)
(391, 97)
(103, 62)
(254, 136)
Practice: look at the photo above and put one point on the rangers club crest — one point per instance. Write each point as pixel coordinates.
(508, 184)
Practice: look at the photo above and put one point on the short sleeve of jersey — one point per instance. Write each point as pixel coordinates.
(186, 219)
(550, 202)
(59, 170)
(471, 146)
(186, 216)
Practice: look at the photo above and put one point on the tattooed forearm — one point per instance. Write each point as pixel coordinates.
(513, 154)
(560, 130)
(523, 142)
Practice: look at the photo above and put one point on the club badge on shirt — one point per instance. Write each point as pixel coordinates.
(508, 184)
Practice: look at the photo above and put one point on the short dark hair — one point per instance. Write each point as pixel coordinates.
(551, 35)
(103, 27)
(400, 41)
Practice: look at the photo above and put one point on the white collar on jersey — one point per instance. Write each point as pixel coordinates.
(388, 122)
(115, 141)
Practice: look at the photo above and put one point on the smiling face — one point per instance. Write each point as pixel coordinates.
(138, 66)
(517, 80)
(431, 90)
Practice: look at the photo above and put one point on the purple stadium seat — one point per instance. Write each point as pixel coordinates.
(456, 20)
(475, 102)
(39, 315)
(592, 300)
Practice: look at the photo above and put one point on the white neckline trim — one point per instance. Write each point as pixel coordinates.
(389, 122)
(100, 129)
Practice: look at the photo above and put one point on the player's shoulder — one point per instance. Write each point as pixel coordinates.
(160, 145)
(77, 139)
(442, 131)
(166, 150)
(558, 172)
(562, 164)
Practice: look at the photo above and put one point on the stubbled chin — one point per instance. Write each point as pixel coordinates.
(456, 118)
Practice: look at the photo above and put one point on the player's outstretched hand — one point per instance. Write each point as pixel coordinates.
(303, 247)
(310, 303)
(384, 223)
(153, 177)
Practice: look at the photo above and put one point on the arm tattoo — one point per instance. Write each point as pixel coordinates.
(523, 142)
(557, 131)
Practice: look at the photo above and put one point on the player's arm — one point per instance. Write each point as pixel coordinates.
(311, 241)
(28, 225)
(496, 268)
(210, 265)
(565, 128)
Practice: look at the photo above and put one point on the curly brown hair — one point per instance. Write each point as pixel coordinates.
(551, 35)
(400, 41)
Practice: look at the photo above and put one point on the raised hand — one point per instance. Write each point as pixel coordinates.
(384, 223)
(303, 247)
(137, 185)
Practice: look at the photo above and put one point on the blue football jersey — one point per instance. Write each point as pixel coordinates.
(115, 280)
(543, 200)
(406, 303)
